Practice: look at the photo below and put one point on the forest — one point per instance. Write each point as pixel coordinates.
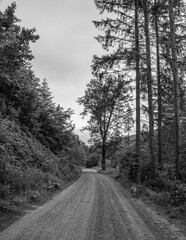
(136, 100)
(39, 151)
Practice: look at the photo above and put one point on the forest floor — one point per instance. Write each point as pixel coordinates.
(95, 207)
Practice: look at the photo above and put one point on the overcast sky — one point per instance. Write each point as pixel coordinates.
(63, 54)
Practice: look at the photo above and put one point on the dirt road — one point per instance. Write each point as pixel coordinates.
(95, 207)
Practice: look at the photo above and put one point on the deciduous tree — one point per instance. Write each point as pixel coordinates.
(104, 101)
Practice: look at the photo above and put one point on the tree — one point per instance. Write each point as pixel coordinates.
(15, 57)
(104, 100)
(15, 51)
(137, 60)
(176, 91)
(149, 85)
(159, 87)
(114, 148)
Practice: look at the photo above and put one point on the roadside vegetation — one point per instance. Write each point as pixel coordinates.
(39, 152)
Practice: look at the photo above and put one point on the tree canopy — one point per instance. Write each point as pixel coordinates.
(145, 50)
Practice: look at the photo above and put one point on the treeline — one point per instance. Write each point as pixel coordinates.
(138, 87)
(38, 148)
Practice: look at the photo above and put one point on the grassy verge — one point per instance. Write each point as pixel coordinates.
(14, 212)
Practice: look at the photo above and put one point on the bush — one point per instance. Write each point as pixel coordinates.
(171, 192)
(129, 166)
(158, 184)
(175, 198)
(93, 160)
(146, 173)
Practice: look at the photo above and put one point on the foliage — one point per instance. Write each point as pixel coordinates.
(93, 160)
(163, 190)
(172, 196)
(39, 151)
(27, 167)
(128, 166)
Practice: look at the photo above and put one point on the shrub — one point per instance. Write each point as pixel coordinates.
(172, 194)
(93, 160)
(175, 198)
(158, 184)
(146, 173)
(129, 166)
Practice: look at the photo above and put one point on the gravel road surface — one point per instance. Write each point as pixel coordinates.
(95, 207)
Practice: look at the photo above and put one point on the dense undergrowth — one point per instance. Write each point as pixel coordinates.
(164, 190)
(29, 169)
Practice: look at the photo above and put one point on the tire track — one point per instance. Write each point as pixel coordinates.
(93, 208)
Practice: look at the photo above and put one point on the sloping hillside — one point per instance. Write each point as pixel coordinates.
(27, 168)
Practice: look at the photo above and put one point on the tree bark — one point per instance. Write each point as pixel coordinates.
(176, 91)
(159, 90)
(149, 84)
(103, 162)
(137, 89)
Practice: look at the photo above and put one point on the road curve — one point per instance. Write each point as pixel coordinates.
(93, 208)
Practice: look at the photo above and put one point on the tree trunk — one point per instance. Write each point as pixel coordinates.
(159, 91)
(150, 99)
(137, 89)
(176, 91)
(103, 162)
